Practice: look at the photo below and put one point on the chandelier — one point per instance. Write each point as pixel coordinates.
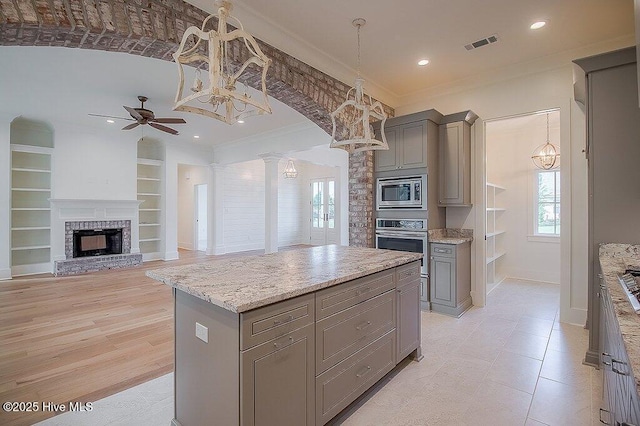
(546, 156)
(355, 113)
(218, 96)
(290, 171)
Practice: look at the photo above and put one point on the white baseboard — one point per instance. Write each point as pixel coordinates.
(171, 255)
(5, 274)
(574, 316)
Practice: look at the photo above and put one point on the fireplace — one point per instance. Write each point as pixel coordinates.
(97, 242)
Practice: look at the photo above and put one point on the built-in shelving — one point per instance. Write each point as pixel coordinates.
(31, 165)
(495, 235)
(150, 192)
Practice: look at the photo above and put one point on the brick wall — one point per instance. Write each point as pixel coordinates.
(154, 28)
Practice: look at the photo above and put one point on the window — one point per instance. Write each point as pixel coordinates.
(547, 203)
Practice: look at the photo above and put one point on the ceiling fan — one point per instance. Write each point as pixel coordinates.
(145, 116)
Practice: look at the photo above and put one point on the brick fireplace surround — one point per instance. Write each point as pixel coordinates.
(154, 28)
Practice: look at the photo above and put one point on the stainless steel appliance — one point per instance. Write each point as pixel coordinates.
(408, 192)
(407, 235)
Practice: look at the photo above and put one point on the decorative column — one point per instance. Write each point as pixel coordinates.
(215, 209)
(271, 202)
(361, 225)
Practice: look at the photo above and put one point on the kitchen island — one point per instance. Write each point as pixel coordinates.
(291, 337)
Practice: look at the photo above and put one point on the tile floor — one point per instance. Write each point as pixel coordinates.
(510, 363)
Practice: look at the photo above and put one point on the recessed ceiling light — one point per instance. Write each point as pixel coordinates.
(241, 121)
(196, 136)
(423, 62)
(537, 25)
(110, 121)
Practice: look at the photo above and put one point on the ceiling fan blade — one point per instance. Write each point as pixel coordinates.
(169, 120)
(135, 114)
(131, 126)
(111, 116)
(163, 128)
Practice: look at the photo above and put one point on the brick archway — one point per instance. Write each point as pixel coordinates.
(154, 28)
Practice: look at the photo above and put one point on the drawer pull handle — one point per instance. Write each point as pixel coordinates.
(363, 325)
(615, 370)
(606, 411)
(278, 322)
(364, 371)
(275, 345)
(409, 273)
(364, 290)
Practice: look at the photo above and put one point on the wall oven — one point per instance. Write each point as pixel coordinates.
(409, 193)
(405, 235)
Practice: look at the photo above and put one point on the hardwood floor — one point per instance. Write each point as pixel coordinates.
(85, 337)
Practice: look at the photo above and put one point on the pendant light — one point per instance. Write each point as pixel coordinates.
(219, 96)
(290, 171)
(355, 113)
(546, 156)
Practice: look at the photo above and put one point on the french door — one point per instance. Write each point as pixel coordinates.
(324, 222)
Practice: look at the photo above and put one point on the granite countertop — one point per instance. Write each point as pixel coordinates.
(249, 282)
(614, 259)
(450, 236)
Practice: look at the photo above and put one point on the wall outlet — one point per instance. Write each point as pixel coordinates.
(202, 332)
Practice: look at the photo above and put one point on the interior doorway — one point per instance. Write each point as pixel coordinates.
(522, 214)
(324, 222)
(200, 209)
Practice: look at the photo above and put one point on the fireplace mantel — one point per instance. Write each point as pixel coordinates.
(69, 210)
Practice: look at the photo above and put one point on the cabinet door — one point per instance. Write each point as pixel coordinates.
(413, 145)
(443, 278)
(277, 381)
(455, 167)
(408, 323)
(388, 159)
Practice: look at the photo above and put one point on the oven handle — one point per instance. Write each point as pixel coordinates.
(415, 235)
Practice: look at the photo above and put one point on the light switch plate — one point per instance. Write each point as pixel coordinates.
(202, 332)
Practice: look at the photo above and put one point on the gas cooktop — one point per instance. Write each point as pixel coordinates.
(630, 281)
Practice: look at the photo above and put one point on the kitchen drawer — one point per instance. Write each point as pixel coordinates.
(341, 385)
(273, 321)
(348, 331)
(342, 296)
(408, 273)
(443, 250)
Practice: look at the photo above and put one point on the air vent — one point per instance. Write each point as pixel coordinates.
(483, 42)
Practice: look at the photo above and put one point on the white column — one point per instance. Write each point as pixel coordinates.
(215, 209)
(5, 197)
(271, 202)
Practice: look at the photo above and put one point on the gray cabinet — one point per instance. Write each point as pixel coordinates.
(455, 160)
(300, 361)
(407, 147)
(621, 405)
(408, 322)
(450, 275)
(412, 140)
(278, 371)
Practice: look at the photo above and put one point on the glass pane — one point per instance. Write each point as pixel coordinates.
(557, 173)
(546, 186)
(546, 218)
(331, 207)
(317, 211)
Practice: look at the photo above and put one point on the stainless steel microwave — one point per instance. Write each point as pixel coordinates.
(408, 192)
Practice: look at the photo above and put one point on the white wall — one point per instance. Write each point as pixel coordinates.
(291, 205)
(188, 177)
(536, 92)
(510, 143)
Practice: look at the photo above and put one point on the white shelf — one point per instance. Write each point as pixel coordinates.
(149, 224)
(153, 194)
(494, 258)
(22, 169)
(148, 210)
(32, 189)
(493, 185)
(31, 209)
(30, 248)
(150, 162)
(149, 179)
(493, 234)
(146, 240)
(495, 209)
(30, 228)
